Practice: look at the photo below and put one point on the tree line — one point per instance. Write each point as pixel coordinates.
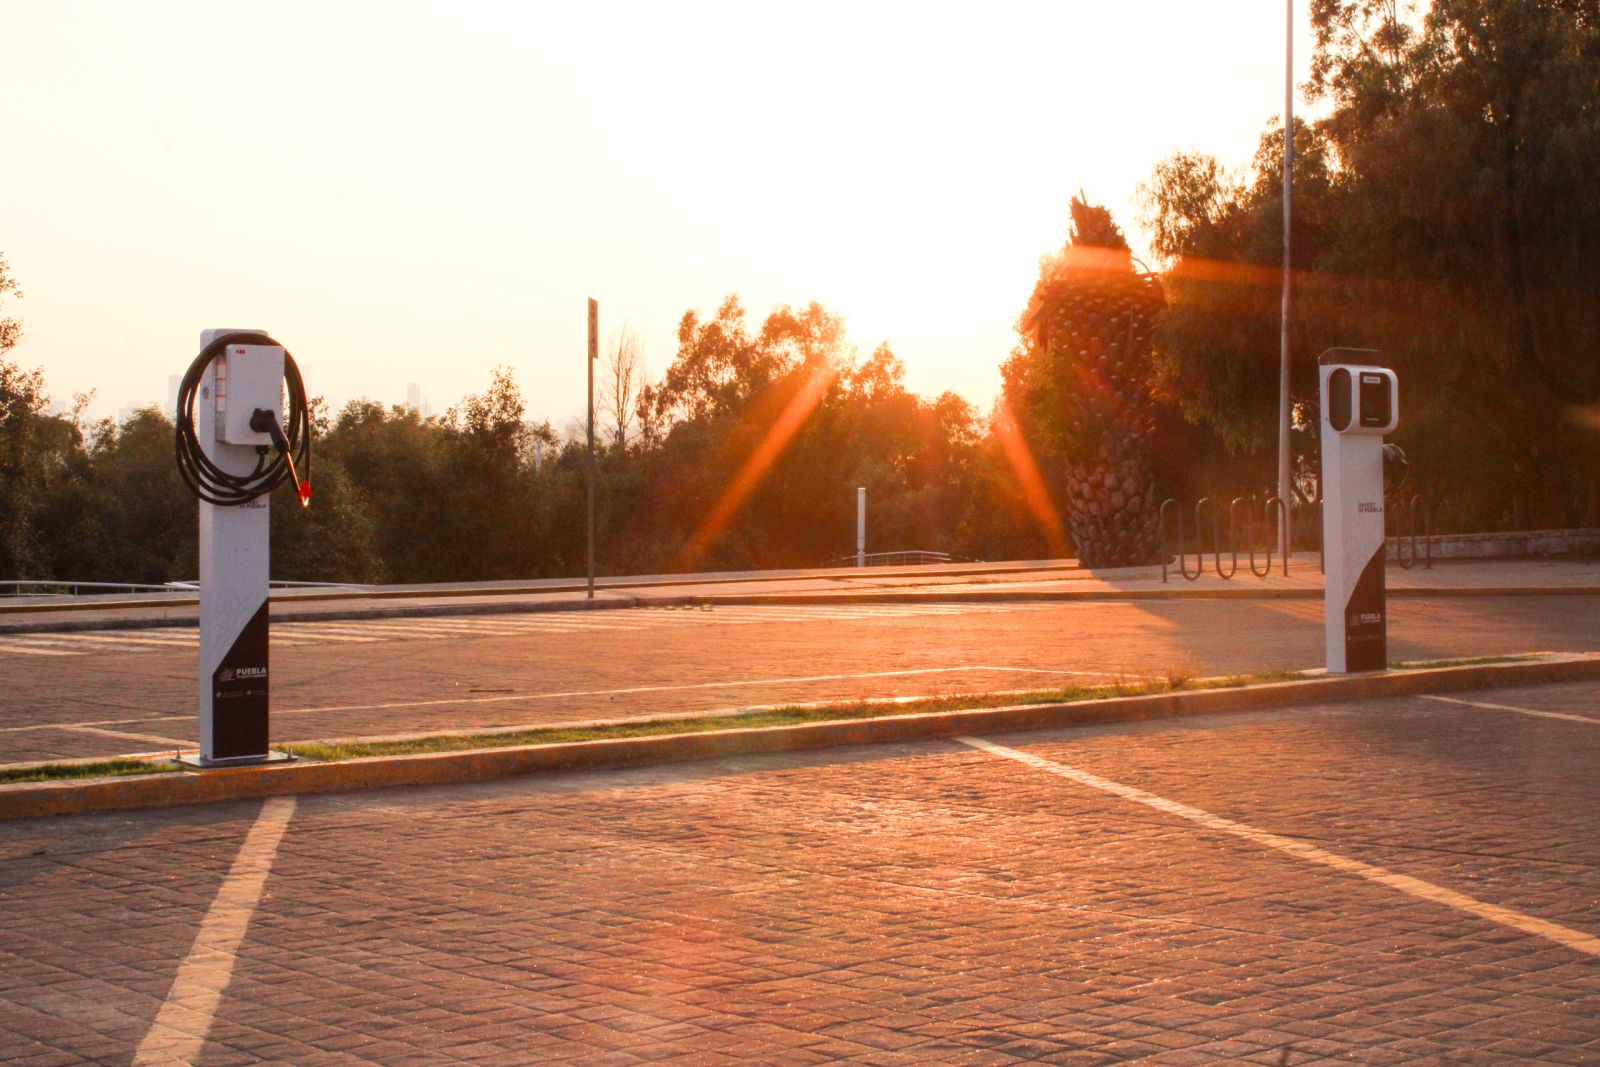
(1446, 214)
(745, 454)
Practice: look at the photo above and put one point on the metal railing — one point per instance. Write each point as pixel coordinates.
(51, 587)
(1273, 509)
(280, 584)
(892, 559)
(45, 587)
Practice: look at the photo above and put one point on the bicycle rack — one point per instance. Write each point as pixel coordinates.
(1216, 536)
(1410, 536)
(1249, 535)
(1280, 526)
(1183, 566)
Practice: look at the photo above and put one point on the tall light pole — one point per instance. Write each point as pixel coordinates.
(861, 526)
(1284, 488)
(594, 354)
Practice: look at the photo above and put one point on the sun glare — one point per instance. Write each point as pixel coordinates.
(767, 453)
(1034, 492)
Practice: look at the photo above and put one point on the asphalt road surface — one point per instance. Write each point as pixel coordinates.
(105, 693)
(1403, 881)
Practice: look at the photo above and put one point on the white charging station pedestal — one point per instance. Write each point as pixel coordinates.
(235, 551)
(1360, 403)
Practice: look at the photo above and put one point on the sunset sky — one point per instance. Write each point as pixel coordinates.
(417, 192)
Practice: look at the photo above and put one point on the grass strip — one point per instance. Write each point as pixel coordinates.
(1435, 664)
(108, 768)
(1172, 680)
(783, 716)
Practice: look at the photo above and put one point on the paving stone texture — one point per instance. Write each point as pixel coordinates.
(879, 905)
(78, 695)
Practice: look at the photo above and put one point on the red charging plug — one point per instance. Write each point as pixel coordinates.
(264, 421)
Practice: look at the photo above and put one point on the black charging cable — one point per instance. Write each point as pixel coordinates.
(291, 444)
(1396, 470)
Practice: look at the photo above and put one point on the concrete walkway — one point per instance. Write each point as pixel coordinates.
(1028, 580)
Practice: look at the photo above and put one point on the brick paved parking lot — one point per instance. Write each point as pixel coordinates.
(1404, 881)
(105, 693)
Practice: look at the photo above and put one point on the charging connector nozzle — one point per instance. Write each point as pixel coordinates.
(265, 421)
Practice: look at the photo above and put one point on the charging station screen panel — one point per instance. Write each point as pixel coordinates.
(1339, 400)
(1375, 400)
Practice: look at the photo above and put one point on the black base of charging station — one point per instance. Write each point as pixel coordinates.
(193, 759)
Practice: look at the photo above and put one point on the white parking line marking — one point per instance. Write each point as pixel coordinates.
(106, 636)
(314, 636)
(82, 643)
(293, 634)
(124, 733)
(441, 628)
(1416, 887)
(1508, 707)
(179, 1031)
(808, 614)
(309, 636)
(83, 648)
(99, 722)
(667, 688)
(501, 629)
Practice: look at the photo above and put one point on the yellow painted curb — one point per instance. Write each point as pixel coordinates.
(32, 799)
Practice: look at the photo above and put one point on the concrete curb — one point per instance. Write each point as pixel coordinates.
(933, 596)
(979, 596)
(426, 611)
(443, 590)
(33, 799)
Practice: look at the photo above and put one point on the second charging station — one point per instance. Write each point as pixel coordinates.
(1360, 404)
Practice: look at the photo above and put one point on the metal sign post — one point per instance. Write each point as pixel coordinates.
(1285, 485)
(594, 354)
(861, 526)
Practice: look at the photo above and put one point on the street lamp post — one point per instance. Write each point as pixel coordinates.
(1284, 487)
(861, 526)
(594, 354)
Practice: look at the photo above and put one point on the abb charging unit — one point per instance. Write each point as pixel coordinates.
(242, 430)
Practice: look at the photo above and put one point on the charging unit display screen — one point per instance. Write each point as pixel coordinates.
(1375, 400)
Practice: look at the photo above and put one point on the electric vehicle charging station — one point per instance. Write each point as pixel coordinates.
(231, 415)
(1360, 403)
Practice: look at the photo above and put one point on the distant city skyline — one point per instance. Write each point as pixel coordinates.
(416, 400)
(424, 192)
